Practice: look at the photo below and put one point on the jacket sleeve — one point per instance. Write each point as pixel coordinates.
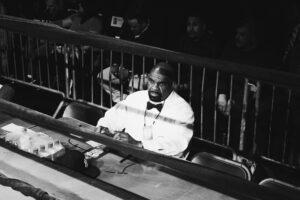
(114, 118)
(174, 135)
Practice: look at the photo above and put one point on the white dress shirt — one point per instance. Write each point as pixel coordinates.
(171, 128)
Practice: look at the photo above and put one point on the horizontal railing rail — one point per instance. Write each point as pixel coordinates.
(58, 34)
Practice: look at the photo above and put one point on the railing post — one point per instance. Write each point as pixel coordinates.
(243, 119)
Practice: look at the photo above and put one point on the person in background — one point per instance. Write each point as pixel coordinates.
(87, 19)
(139, 28)
(157, 119)
(291, 64)
(55, 10)
(198, 40)
(246, 48)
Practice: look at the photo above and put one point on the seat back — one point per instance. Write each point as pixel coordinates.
(281, 187)
(87, 113)
(42, 99)
(7, 92)
(222, 164)
(200, 145)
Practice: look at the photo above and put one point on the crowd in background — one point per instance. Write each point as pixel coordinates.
(220, 23)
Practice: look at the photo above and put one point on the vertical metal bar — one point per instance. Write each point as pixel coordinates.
(178, 73)
(132, 70)
(39, 61)
(101, 76)
(7, 35)
(286, 126)
(215, 106)
(122, 58)
(82, 74)
(56, 67)
(271, 120)
(30, 66)
(144, 69)
(201, 101)
(256, 112)
(110, 88)
(14, 51)
(229, 113)
(73, 72)
(191, 84)
(243, 118)
(47, 65)
(67, 77)
(29, 50)
(92, 74)
(121, 81)
(22, 59)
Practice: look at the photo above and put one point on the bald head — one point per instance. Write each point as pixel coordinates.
(160, 81)
(165, 70)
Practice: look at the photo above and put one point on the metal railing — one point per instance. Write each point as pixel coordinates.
(264, 103)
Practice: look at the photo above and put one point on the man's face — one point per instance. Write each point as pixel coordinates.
(242, 37)
(194, 27)
(51, 7)
(159, 86)
(135, 27)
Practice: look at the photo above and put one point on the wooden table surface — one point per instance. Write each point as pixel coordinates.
(148, 179)
(56, 180)
(143, 178)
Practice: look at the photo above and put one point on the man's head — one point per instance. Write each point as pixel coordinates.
(160, 82)
(54, 7)
(137, 23)
(245, 35)
(195, 27)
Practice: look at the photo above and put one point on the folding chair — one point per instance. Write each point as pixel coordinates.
(281, 187)
(39, 98)
(7, 92)
(199, 145)
(85, 112)
(222, 164)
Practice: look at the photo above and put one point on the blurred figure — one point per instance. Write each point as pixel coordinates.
(246, 48)
(198, 39)
(87, 19)
(139, 28)
(55, 10)
(291, 63)
(119, 81)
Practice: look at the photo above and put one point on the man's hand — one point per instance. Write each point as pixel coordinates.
(222, 103)
(104, 131)
(120, 72)
(123, 74)
(125, 137)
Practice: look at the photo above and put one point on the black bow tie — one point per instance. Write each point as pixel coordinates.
(157, 106)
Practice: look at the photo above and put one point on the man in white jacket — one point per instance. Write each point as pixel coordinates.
(158, 118)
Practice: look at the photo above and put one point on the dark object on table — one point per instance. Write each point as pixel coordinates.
(75, 160)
